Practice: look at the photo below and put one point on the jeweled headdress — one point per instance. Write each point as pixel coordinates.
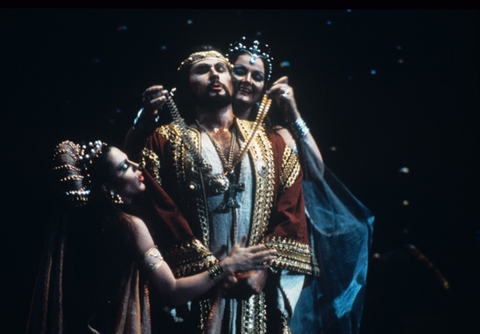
(202, 55)
(255, 49)
(72, 162)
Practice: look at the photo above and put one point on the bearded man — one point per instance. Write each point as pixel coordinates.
(211, 182)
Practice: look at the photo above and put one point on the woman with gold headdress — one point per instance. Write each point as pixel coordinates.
(340, 226)
(101, 261)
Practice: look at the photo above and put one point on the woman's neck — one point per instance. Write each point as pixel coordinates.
(242, 110)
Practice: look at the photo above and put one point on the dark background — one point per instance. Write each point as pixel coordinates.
(78, 74)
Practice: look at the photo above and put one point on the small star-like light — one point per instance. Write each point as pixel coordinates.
(400, 61)
(349, 10)
(405, 202)
(376, 255)
(163, 47)
(333, 148)
(373, 72)
(405, 170)
(189, 22)
(285, 63)
(120, 28)
(95, 61)
(405, 231)
(329, 22)
(259, 33)
(399, 47)
(119, 111)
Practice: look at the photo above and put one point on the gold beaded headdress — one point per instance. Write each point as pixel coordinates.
(203, 55)
(71, 163)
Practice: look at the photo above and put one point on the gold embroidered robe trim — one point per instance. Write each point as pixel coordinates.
(290, 169)
(254, 315)
(188, 178)
(260, 150)
(291, 255)
(149, 161)
(190, 258)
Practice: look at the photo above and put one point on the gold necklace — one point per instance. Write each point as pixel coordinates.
(215, 183)
(227, 164)
(234, 185)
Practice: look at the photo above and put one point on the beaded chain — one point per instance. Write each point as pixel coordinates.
(226, 163)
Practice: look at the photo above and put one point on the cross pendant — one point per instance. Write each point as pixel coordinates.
(230, 200)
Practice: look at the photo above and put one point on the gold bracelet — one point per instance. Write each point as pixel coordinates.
(216, 273)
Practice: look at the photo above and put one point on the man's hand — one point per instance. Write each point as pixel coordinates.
(249, 283)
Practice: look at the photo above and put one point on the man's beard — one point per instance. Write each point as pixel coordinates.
(213, 102)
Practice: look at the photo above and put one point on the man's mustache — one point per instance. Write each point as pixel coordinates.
(210, 85)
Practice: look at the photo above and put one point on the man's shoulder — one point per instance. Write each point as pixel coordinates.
(165, 131)
(165, 127)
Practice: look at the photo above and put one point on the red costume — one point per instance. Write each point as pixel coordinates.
(178, 190)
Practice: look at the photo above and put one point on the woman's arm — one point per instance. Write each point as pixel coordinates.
(174, 292)
(298, 135)
(153, 100)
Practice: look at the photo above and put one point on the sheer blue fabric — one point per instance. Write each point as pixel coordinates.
(341, 234)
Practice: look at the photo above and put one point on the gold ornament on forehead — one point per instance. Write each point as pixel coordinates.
(203, 55)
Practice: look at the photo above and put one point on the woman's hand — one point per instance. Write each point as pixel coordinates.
(241, 259)
(283, 95)
(153, 99)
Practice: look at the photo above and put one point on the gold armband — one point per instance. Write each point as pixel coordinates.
(151, 260)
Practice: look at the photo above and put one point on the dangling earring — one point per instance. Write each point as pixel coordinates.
(115, 198)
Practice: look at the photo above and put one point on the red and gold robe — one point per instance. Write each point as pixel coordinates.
(176, 188)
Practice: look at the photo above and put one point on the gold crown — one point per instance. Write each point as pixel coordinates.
(198, 56)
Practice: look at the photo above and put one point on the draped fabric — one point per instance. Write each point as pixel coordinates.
(341, 234)
(82, 288)
(46, 310)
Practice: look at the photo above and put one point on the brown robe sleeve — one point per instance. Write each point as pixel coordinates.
(174, 236)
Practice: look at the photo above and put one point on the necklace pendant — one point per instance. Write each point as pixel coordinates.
(240, 187)
(217, 184)
(222, 208)
(232, 203)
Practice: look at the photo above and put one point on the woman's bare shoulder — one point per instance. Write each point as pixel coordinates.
(133, 222)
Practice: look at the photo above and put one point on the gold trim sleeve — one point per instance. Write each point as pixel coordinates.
(290, 169)
(291, 255)
(190, 258)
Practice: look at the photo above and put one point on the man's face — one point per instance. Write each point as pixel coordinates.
(211, 83)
